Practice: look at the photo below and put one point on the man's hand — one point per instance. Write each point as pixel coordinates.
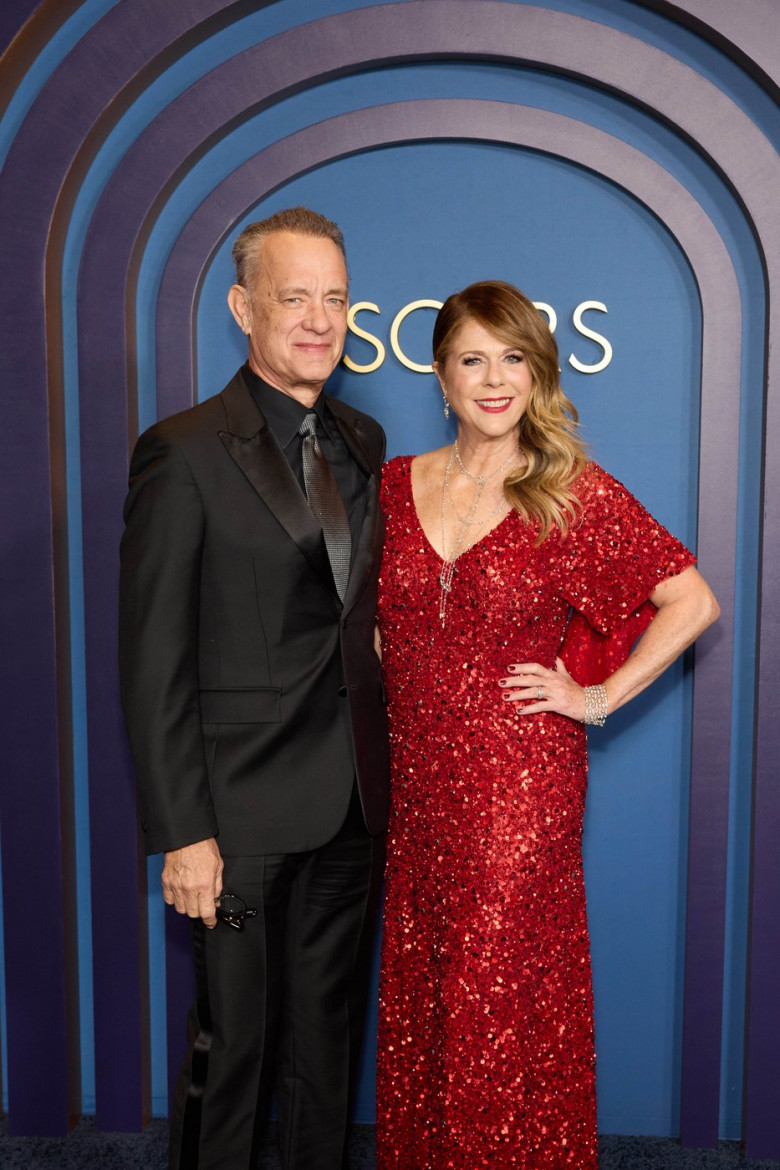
(192, 880)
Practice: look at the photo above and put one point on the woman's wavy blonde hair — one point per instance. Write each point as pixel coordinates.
(541, 490)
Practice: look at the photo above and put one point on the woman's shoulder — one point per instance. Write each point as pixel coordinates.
(395, 477)
(591, 474)
(607, 503)
(594, 481)
(396, 468)
(397, 462)
(430, 463)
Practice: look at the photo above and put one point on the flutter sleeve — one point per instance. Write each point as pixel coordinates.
(610, 563)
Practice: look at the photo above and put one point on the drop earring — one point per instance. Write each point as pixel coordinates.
(446, 406)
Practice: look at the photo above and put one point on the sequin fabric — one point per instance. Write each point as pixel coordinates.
(486, 1053)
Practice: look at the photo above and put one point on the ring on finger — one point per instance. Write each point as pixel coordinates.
(540, 693)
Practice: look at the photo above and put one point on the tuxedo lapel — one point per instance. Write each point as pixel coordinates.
(368, 546)
(368, 549)
(250, 443)
(350, 426)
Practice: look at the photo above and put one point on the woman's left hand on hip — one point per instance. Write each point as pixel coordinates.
(534, 688)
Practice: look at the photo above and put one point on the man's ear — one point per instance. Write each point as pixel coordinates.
(238, 303)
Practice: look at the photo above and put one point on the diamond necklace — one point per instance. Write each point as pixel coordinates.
(447, 571)
(481, 480)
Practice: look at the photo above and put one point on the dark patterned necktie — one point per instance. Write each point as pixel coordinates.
(326, 503)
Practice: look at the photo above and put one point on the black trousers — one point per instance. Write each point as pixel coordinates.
(279, 1004)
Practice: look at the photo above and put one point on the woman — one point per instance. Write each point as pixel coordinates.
(486, 1039)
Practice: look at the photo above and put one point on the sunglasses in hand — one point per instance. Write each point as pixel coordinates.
(232, 910)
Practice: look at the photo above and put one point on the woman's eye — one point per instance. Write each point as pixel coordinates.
(515, 357)
(471, 361)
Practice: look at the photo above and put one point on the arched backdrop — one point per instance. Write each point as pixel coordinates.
(618, 160)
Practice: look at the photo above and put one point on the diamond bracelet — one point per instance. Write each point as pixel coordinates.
(596, 709)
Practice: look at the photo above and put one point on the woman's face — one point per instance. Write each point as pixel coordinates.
(488, 383)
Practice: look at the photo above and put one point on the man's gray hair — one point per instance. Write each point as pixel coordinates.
(246, 249)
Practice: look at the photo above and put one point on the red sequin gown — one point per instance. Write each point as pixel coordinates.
(486, 1053)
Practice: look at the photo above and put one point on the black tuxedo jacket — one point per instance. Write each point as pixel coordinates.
(252, 696)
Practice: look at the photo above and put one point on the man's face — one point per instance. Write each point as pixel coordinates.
(296, 313)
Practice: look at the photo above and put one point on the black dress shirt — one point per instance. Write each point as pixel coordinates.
(284, 416)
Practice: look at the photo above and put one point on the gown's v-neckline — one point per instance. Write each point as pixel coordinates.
(425, 535)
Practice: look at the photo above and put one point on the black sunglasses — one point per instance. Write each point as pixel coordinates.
(232, 910)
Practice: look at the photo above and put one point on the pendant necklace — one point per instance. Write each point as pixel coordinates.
(447, 571)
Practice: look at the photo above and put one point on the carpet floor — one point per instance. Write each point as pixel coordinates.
(86, 1148)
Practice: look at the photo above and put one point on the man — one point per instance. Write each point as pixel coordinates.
(254, 703)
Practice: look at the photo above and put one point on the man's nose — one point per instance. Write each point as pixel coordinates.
(317, 318)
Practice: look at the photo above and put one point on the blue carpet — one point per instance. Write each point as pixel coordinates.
(85, 1147)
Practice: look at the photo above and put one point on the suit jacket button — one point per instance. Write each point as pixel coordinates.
(342, 691)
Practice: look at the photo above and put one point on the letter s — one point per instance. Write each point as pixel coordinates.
(400, 317)
(377, 344)
(602, 341)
